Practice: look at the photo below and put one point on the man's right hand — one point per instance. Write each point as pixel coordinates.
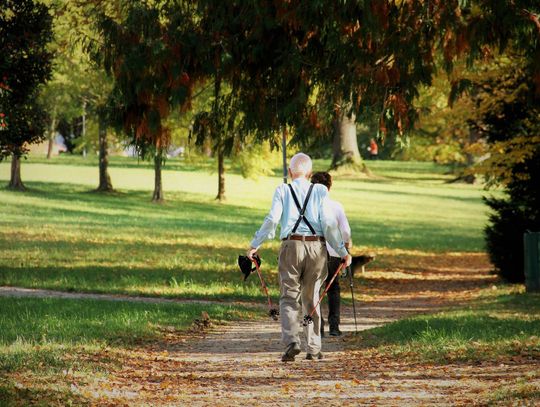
(347, 260)
(250, 253)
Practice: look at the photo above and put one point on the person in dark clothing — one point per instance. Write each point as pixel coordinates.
(334, 259)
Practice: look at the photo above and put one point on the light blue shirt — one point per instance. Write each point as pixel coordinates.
(284, 211)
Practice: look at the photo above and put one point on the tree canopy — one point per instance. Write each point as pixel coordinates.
(25, 31)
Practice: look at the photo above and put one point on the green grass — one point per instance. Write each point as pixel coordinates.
(401, 170)
(44, 338)
(35, 330)
(61, 236)
(492, 328)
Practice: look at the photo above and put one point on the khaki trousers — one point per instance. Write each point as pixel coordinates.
(302, 271)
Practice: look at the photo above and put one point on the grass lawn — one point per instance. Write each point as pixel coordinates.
(496, 326)
(500, 328)
(61, 236)
(42, 341)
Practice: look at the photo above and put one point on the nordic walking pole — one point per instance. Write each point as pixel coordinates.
(352, 295)
(308, 319)
(273, 312)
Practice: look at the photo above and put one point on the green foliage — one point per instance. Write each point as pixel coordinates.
(294, 60)
(25, 31)
(154, 70)
(256, 160)
(511, 217)
(507, 116)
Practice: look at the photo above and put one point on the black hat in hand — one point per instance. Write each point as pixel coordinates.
(246, 265)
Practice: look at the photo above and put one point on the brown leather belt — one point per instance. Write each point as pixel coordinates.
(305, 238)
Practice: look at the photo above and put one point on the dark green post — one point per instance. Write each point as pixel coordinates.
(531, 243)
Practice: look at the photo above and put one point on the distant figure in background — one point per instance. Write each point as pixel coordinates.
(334, 259)
(373, 149)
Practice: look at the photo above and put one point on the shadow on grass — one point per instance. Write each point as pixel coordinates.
(150, 282)
(506, 325)
(87, 322)
(200, 213)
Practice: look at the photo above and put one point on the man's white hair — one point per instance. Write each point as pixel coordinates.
(300, 164)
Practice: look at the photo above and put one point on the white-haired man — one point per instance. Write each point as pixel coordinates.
(307, 222)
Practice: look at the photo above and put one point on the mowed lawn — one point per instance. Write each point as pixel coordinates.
(59, 235)
(62, 236)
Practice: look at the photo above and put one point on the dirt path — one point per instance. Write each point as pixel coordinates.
(238, 364)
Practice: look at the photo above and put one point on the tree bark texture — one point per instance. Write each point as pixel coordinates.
(52, 132)
(15, 181)
(158, 186)
(221, 176)
(345, 145)
(105, 184)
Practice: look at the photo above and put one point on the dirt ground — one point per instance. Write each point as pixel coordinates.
(239, 363)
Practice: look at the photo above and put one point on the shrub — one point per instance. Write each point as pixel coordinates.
(512, 217)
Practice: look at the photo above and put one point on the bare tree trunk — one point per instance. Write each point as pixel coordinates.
(105, 184)
(15, 182)
(52, 132)
(221, 175)
(158, 187)
(345, 146)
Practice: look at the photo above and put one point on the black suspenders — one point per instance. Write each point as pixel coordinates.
(302, 210)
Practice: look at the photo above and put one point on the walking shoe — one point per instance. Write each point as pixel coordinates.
(292, 350)
(310, 356)
(334, 331)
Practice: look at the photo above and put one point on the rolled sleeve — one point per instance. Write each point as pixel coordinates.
(268, 228)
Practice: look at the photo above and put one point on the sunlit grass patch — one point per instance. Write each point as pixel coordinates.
(36, 331)
(494, 328)
(61, 236)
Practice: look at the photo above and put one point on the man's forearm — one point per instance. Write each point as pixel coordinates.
(267, 231)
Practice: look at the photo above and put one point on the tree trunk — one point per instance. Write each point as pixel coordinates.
(345, 146)
(52, 132)
(158, 187)
(15, 182)
(105, 184)
(464, 174)
(221, 176)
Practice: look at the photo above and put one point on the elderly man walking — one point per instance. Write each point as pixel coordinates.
(307, 223)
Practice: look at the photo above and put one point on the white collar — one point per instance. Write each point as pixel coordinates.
(301, 180)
